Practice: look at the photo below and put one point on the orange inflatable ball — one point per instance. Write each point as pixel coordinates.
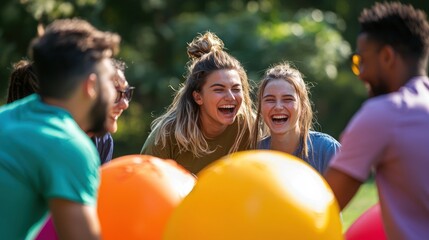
(138, 194)
(259, 194)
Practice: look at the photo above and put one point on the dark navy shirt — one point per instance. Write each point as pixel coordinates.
(104, 145)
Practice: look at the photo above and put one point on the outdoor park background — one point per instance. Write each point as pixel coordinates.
(318, 36)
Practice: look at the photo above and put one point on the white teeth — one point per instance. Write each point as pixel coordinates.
(227, 106)
(279, 116)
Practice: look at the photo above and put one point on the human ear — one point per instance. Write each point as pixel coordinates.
(90, 86)
(197, 97)
(388, 56)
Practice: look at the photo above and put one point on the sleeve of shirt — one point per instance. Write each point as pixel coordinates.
(328, 152)
(364, 140)
(72, 172)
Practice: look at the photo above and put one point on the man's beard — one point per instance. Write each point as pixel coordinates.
(379, 89)
(99, 116)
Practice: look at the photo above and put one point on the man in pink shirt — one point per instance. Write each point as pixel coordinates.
(390, 133)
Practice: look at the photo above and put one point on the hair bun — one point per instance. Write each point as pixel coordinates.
(203, 44)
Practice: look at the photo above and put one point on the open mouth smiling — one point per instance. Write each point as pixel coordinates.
(279, 119)
(227, 109)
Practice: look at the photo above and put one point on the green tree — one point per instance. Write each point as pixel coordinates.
(155, 33)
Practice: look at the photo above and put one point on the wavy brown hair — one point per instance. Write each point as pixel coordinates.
(284, 71)
(182, 118)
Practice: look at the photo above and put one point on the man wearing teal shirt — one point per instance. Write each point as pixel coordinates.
(47, 162)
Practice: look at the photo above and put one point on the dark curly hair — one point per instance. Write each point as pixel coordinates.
(23, 81)
(401, 26)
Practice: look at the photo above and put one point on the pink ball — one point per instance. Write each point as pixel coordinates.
(368, 226)
(48, 231)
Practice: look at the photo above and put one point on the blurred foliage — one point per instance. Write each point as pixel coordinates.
(317, 36)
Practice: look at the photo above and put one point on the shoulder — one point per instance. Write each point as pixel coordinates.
(105, 139)
(322, 137)
(322, 142)
(385, 111)
(393, 104)
(75, 143)
(412, 95)
(12, 109)
(382, 113)
(380, 104)
(58, 128)
(265, 143)
(375, 114)
(415, 86)
(155, 145)
(158, 133)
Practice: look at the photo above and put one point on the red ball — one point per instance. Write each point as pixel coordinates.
(368, 226)
(138, 194)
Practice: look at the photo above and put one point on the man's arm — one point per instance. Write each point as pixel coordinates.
(343, 186)
(73, 220)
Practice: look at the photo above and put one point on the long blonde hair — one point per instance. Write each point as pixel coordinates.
(284, 71)
(182, 117)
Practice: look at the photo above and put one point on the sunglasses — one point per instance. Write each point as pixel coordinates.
(127, 94)
(356, 60)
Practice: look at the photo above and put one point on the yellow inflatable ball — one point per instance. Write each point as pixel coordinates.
(137, 195)
(259, 194)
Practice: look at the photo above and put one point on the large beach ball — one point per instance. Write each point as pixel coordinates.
(138, 194)
(259, 194)
(368, 226)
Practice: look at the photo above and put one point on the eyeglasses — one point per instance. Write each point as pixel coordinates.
(127, 94)
(356, 60)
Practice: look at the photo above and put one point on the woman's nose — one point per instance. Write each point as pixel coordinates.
(278, 105)
(230, 95)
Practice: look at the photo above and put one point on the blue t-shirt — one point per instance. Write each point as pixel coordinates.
(321, 149)
(104, 145)
(43, 155)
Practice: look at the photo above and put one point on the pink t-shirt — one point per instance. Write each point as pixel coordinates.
(390, 135)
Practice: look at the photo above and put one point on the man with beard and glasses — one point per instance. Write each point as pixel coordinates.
(124, 93)
(24, 82)
(389, 134)
(47, 162)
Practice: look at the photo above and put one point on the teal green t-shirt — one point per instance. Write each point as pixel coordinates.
(43, 155)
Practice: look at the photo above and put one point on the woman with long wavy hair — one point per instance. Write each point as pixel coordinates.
(285, 118)
(211, 114)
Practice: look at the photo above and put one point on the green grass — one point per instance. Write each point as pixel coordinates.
(365, 198)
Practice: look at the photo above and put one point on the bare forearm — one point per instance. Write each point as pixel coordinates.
(343, 186)
(75, 221)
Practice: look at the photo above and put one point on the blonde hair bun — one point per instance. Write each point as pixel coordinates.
(203, 44)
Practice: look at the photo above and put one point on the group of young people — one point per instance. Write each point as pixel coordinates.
(212, 114)
(82, 92)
